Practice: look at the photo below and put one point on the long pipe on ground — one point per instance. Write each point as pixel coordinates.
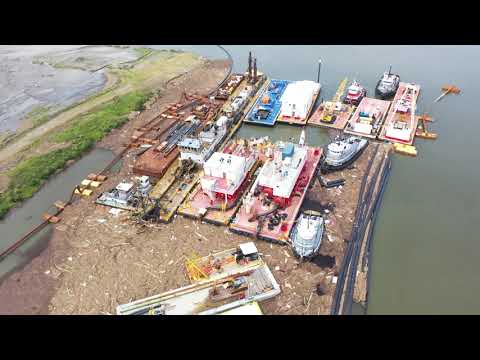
(347, 304)
(346, 259)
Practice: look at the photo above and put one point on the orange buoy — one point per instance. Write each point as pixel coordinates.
(265, 100)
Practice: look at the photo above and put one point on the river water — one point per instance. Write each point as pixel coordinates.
(21, 220)
(425, 244)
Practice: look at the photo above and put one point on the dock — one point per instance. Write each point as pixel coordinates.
(333, 114)
(405, 123)
(368, 118)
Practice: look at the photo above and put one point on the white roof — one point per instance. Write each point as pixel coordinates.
(221, 165)
(124, 186)
(297, 97)
(248, 248)
(283, 177)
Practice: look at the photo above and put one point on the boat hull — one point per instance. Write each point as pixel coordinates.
(326, 167)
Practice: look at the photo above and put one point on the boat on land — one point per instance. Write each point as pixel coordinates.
(297, 101)
(355, 94)
(268, 105)
(342, 152)
(401, 122)
(387, 86)
(307, 234)
(368, 118)
(271, 206)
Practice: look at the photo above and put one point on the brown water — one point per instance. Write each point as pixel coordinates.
(24, 218)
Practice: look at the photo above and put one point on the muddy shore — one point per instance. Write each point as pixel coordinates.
(29, 290)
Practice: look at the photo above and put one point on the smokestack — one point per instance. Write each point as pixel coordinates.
(255, 70)
(249, 65)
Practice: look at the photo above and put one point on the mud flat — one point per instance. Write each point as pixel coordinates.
(24, 291)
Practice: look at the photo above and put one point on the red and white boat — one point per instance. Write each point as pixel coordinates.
(226, 176)
(271, 206)
(355, 94)
(401, 122)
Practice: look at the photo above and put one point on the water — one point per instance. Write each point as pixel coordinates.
(425, 243)
(24, 218)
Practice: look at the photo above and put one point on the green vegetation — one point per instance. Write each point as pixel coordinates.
(143, 51)
(29, 175)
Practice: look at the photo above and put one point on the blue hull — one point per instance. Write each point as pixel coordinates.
(274, 93)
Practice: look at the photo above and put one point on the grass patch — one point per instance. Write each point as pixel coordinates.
(29, 175)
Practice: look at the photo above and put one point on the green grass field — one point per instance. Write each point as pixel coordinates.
(29, 175)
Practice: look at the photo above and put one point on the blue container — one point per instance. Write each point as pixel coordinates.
(287, 151)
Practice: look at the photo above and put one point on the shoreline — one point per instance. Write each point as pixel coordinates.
(29, 290)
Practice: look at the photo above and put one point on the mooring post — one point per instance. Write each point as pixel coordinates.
(319, 68)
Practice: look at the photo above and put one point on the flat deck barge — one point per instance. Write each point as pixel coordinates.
(297, 102)
(267, 107)
(333, 114)
(198, 204)
(211, 296)
(368, 118)
(251, 219)
(155, 161)
(401, 123)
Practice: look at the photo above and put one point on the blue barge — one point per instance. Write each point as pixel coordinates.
(267, 107)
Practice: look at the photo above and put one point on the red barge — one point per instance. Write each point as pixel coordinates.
(271, 206)
(226, 177)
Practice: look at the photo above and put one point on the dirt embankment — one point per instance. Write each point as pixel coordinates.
(30, 290)
(152, 72)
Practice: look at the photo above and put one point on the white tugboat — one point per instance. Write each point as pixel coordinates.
(341, 153)
(307, 235)
(387, 86)
(355, 94)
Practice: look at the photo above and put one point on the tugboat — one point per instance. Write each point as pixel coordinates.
(307, 234)
(355, 94)
(387, 86)
(342, 153)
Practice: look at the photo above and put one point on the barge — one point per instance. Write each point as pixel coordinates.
(333, 114)
(297, 102)
(227, 175)
(271, 206)
(245, 281)
(155, 161)
(268, 105)
(401, 123)
(126, 195)
(368, 118)
(180, 179)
